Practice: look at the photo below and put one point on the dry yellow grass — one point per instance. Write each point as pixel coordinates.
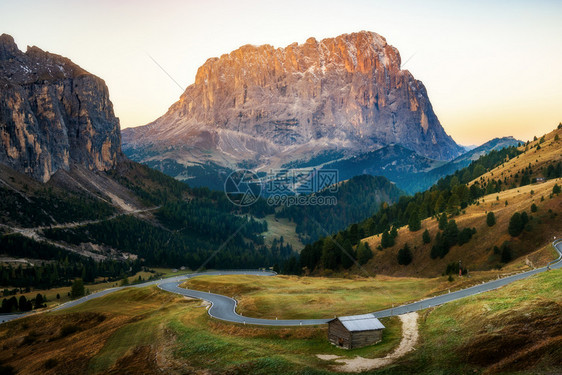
(146, 331)
(550, 152)
(515, 328)
(292, 297)
(478, 253)
(65, 342)
(277, 227)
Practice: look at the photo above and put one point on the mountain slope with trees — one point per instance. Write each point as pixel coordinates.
(356, 199)
(148, 219)
(454, 212)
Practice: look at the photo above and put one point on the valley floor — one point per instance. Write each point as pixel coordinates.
(146, 330)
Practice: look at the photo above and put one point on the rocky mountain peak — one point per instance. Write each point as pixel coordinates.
(8, 47)
(267, 106)
(53, 113)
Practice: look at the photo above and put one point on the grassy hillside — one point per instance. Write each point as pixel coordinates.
(279, 227)
(138, 331)
(509, 182)
(478, 253)
(539, 158)
(516, 329)
(449, 196)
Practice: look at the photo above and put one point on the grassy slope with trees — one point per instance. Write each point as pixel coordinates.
(458, 201)
(450, 194)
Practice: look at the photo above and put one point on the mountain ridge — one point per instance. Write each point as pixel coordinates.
(53, 113)
(410, 171)
(265, 107)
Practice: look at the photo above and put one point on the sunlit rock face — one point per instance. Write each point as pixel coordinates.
(52, 114)
(266, 106)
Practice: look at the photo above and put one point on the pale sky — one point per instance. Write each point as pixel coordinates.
(491, 68)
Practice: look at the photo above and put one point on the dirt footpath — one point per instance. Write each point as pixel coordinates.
(359, 364)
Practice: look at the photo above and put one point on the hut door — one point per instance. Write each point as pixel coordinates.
(340, 341)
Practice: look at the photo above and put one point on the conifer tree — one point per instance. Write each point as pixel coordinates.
(491, 219)
(77, 290)
(426, 237)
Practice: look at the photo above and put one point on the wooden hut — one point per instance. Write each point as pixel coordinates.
(356, 331)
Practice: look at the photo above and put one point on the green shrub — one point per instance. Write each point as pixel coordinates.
(364, 253)
(414, 224)
(77, 290)
(507, 254)
(516, 225)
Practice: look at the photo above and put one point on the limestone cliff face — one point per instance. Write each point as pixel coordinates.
(271, 105)
(53, 113)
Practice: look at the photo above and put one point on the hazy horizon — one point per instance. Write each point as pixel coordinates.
(490, 69)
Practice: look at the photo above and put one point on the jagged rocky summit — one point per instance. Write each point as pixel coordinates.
(52, 114)
(261, 106)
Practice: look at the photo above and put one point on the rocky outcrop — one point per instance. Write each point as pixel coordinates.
(266, 106)
(52, 114)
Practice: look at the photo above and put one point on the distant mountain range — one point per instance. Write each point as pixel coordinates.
(469, 147)
(409, 170)
(261, 107)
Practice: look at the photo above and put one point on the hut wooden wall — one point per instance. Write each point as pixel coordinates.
(337, 331)
(340, 336)
(365, 338)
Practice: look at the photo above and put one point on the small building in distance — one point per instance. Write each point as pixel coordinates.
(356, 331)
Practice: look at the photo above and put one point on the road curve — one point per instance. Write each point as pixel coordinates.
(224, 308)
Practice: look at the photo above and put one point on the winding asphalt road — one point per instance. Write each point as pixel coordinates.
(224, 308)
(477, 289)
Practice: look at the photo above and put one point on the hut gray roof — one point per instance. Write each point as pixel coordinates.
(365, 322)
